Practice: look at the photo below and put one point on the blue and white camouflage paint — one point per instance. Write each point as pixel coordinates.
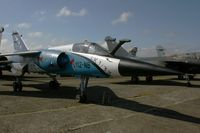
(78, 64)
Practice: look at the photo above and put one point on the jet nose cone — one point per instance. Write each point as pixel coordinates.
(128, 67)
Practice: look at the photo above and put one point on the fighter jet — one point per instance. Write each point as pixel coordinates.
(188, 63)
(4, 63)
(82, 60)
(1, 31)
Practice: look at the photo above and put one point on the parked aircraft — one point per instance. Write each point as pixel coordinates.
(185, 62)
(188, 63)
(84, 60)
(1, 31)
(4, 63)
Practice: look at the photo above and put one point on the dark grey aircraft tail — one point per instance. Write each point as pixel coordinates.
(1, 32)
(133, 51)
(19, 44)
(160, 51)
(116, 48)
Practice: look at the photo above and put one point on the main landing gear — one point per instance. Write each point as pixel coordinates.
(149, 78)
(17, 85)
(82, 88)
(1, 74)
(182, 77)
(134, 79)
(54, 84)
(187, 77)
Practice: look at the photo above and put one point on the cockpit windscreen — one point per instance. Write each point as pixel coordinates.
(90, 48)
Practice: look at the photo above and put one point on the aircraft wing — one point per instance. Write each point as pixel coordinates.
(26, 53)
(188, 63)
(5, 62)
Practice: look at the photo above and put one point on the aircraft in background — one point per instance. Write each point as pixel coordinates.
(1, 32)
(187, 63)
(4, 63)
(83, 60)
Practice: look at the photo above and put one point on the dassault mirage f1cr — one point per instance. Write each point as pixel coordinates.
(81, 59)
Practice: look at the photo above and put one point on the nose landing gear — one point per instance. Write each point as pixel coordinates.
(82, 88)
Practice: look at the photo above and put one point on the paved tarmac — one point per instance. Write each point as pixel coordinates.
(114, 106)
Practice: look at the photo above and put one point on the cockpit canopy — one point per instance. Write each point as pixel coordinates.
(90, 48)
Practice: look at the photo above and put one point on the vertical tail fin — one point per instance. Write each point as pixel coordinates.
(1, 32)
(19, 44)
(115, 47)
(160, 51)
(133, 51)
(111, 43)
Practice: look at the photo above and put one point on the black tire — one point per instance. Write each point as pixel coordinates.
(191, 77)
(180, 77)
(20, 86)
(54, 85)
(188, 84)
(15, 86)
(134, 79)
(83, 99)
(149, 78)
(1, 74)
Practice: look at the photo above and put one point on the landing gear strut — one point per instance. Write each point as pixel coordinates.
(134, 79)
(54, 84)
(1, 74)
(83, 87)
(17, 85)
(149, 78)
(180, 77)
(187, 77)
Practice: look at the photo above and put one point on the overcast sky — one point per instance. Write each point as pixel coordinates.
(175, 24)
